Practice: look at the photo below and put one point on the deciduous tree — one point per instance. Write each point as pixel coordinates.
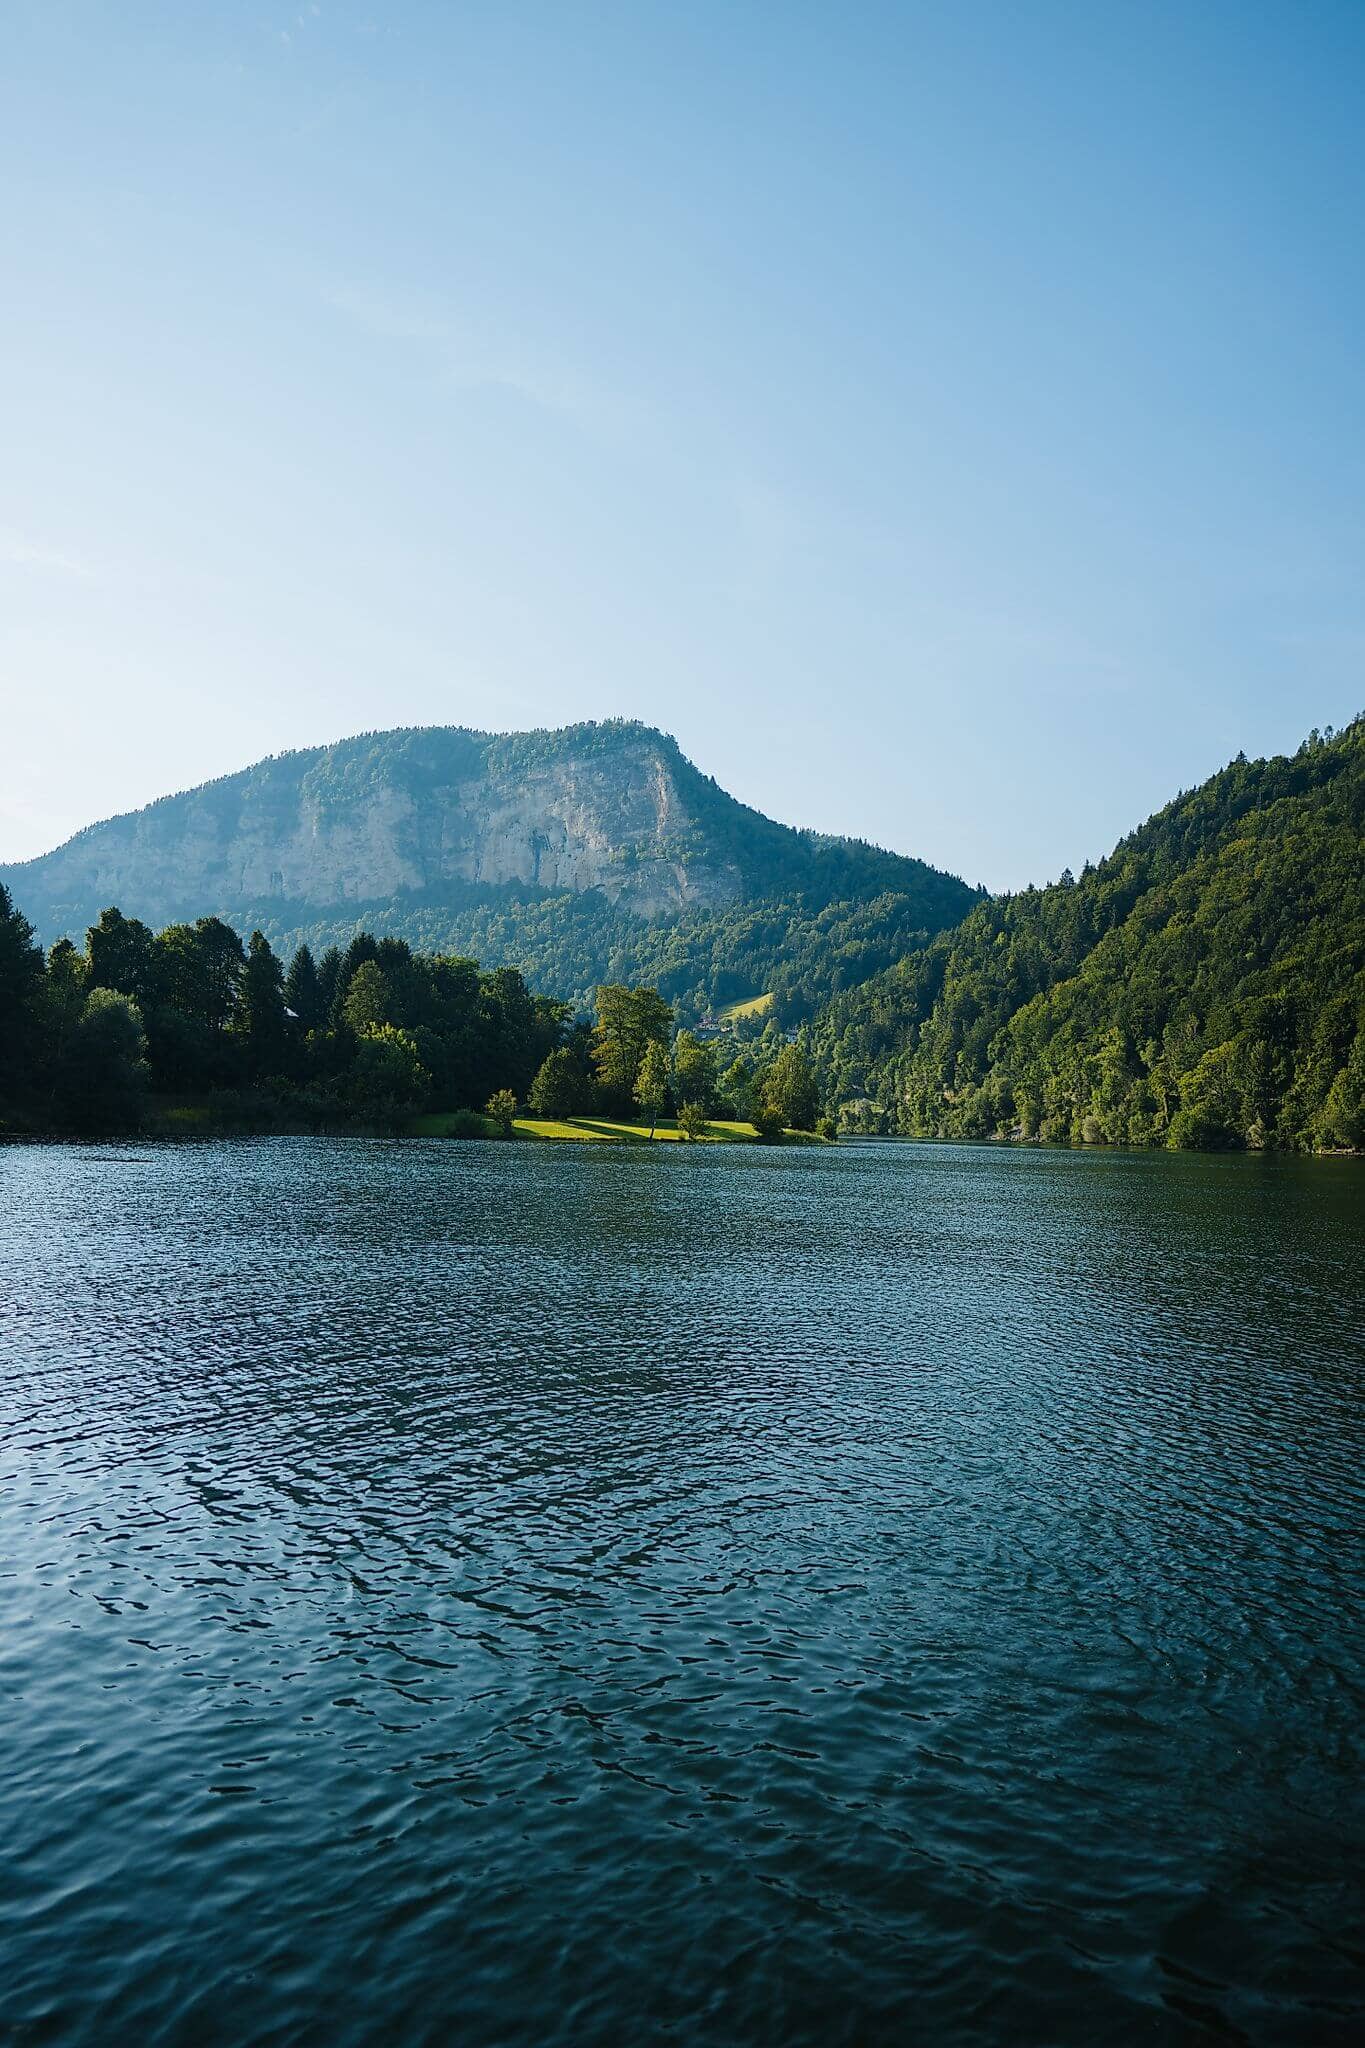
(694, 1070)
(651, 1087)
(788, 1090)
(367, 999)
(102, 1077)
(629, 1021)
(557, 1090)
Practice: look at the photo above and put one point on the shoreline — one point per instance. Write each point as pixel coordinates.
(193, 1123)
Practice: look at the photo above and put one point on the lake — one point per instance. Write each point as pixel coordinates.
(480, 1593)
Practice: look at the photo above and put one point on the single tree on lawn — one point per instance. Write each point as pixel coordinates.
(652, 1085)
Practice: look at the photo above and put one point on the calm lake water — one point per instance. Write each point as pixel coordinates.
(471, 1594)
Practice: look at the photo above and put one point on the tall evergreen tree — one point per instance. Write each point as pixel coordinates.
(303, 992)
(362, 951)
(260, 1011)
(329, 977)
(21, 973)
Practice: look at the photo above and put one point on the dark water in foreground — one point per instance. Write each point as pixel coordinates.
(473, 1594)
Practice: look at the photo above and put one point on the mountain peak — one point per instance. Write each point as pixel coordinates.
(430, 814)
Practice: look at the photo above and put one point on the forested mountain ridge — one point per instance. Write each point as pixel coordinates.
(1205, 984)
(580, 855)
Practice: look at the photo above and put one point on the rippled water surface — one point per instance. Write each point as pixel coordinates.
(476, 1593)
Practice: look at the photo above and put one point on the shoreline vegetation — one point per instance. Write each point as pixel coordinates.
(188, 1032)
(1201, 989)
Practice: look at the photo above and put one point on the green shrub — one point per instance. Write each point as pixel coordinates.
(502, 1107)
(466, 1123)
(691, 1121)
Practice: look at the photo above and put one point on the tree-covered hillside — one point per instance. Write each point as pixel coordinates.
(1204, 985)
(802, 949)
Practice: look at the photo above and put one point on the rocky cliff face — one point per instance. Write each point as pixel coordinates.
(604, 808)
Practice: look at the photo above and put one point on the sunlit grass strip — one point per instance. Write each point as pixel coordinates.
(605, 1130)
(592, 1130)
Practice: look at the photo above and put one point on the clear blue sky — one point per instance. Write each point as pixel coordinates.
(946, 419)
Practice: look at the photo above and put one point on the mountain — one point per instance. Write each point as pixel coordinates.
(580, 855)
(1204, 985)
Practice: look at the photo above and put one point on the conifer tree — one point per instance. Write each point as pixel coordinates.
(303, 992)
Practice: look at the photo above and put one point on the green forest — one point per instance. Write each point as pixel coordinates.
(1204, 986)
(801, 949)
(188, 1030)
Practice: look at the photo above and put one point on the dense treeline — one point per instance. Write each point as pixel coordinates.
(191, 1013)
(189, 1028)
(1204, 986)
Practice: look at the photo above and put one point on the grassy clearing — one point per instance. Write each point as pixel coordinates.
(188, 1119)
(752, 1006)
(593, 1130)
(604, 1130)
(552, 1127)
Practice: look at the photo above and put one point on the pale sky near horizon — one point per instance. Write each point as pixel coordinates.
(946, 419)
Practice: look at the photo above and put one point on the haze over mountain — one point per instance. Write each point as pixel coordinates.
(595, 849)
